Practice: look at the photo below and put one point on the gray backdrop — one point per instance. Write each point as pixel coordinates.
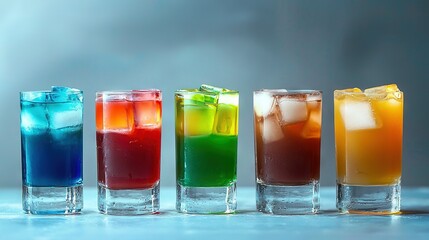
(241, 44)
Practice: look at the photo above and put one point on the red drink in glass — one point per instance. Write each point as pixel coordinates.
(128, 148)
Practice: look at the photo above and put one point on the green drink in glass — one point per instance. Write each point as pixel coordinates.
(206, 149)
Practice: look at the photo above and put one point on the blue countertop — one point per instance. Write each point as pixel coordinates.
(412, 223)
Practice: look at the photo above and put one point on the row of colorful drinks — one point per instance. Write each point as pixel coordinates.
(287, 128)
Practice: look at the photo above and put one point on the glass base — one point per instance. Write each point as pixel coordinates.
(369, 199)
(206, 200)
(52, 200)
(128, 201)
(275, 199)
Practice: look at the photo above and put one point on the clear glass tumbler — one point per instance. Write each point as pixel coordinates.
(287, 149)
(51, 149)
(206, 150)
(128, 151)
(368, 139)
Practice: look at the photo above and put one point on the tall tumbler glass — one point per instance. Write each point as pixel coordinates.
(368, 139)
(51, 150)
(206, 150)
(128, 151)
(287, 150)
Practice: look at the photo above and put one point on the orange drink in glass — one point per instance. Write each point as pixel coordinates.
(368, 140)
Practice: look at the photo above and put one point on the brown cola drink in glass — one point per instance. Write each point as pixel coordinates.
(287, 150)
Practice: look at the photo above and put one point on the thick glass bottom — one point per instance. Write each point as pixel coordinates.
(52, 200)
(128, 201)
(275, 199)
(369, 199)
(206, 200)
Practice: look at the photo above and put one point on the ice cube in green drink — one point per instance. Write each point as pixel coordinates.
(200, 110)
(226, 118)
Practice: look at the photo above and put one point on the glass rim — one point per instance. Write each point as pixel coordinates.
(32, 96)
(122, 92)
(129, 95)
(50, 92)
(280, 91)
(197, 91)
(371, 92)
(367, 94)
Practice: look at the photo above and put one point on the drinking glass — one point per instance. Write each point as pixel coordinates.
(51, 150)
(368, 139)
(128, 151)
(287, 149)
(206, 150)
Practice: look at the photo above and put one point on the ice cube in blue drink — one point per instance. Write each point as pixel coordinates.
(64, 108)
(64, 94)
(34, 117)
(64, 115)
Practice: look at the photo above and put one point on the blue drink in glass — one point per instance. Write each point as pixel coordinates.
(51, 148)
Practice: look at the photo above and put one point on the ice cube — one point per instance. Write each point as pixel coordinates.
(60, 89)
(340, 94)
(147, 113)
(271, 130)
(64, 94)
(292, 110)
(195, 112)
(312, 127)
(33, 117)
(208, 88)
(314, 104)
(59, 94)
(226, 120)
(64, 115)
(35, 97)
(350, 90)
(383, 89)
(117, 115)
(357, 115)
(144, 95)
(390, 91)
(226, 96)
(191, 98)
(197, 119)
(263, 103)
(314, 99)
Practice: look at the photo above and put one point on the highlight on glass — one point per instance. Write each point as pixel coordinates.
(206, 149)
(128, 137)
(368, 140)
(51, 150)
(287, 127)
